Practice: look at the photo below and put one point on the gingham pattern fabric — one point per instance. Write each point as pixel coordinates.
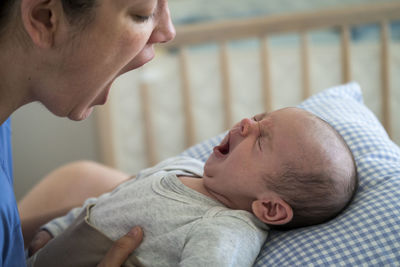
(368, 232)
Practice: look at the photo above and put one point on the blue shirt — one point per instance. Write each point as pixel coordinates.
(11, 241)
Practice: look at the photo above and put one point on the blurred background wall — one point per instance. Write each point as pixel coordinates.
(43, 142)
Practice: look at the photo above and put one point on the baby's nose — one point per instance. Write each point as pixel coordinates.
(246, 126)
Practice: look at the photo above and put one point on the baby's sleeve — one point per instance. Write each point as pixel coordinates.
(222, 241)
(56, 226)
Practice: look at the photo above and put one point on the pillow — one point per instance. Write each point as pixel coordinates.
(368, 232)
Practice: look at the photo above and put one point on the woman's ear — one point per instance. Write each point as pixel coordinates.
(40, 19)
(274, 211)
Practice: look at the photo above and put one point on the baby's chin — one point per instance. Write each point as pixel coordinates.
(211, 167)
(206, 167)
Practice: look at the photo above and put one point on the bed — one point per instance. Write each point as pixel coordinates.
(215, 73)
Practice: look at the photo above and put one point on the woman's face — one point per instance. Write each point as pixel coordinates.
(120, 38)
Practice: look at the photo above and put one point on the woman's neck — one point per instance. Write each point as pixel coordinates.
(10, 99)
(14, 82)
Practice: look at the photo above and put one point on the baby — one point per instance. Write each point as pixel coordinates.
(285, 169)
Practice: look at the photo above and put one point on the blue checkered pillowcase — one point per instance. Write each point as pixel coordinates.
(368, 232)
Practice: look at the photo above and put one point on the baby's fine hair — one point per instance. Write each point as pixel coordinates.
(315, 196)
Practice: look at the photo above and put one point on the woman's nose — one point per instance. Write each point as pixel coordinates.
(165, 30)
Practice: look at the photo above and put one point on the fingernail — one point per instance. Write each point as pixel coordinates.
(134, 232)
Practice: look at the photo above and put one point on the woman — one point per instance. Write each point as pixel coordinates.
(66, 54)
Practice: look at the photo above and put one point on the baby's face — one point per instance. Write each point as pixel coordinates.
(253, 149)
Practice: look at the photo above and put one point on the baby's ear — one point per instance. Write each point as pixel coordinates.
(274, 210)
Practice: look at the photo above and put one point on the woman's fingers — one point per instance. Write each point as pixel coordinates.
(41, 238)
(122, 248)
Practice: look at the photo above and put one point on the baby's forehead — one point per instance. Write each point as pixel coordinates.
(291, 111)
(299, 118)
(304, 133)
(294, 123)
(300, 112)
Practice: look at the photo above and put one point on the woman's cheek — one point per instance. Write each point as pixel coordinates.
(131, 47)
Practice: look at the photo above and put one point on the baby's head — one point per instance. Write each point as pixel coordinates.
(288, 167)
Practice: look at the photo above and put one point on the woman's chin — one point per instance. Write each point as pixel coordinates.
(80, 116)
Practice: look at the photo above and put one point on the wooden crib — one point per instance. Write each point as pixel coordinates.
(220, 36)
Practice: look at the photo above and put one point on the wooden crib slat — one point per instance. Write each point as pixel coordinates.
(187, 103)
(266, 75)
(228, 30)
(305, 65)
(226, 85)
(385, 75)
(106, 138)
(148, 125)
(345, 51)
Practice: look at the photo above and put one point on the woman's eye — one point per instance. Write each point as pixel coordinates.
(139, 18)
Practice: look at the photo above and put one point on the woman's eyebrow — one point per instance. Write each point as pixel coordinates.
(142, 5)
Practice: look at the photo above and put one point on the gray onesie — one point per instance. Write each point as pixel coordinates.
(182, 227)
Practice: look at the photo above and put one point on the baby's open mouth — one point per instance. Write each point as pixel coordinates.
(223, 148)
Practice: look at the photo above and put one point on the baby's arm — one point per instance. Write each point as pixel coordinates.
(222, 241)
(58, 225)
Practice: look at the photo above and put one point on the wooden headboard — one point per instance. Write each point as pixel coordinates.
(262, 29)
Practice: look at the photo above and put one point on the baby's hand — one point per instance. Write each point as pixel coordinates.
(41, 238)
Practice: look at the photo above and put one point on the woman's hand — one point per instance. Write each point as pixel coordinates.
(39, 240)
(121, 249)
(115, 256)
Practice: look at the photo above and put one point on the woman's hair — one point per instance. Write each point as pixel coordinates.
(79, 12)
(6, 9)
